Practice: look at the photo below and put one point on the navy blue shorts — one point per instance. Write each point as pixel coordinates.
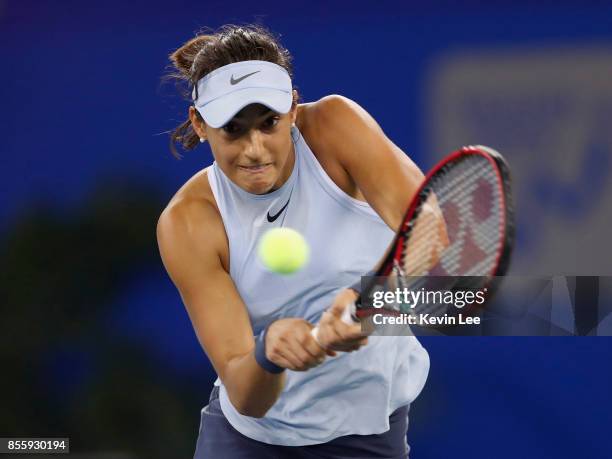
(218, 439)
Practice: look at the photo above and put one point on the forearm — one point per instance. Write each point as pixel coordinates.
(251, 389)
(255, 379)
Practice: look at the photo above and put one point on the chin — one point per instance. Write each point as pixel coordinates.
(260, 184)
(258, 187)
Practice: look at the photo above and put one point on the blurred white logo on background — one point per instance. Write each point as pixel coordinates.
(549, 111)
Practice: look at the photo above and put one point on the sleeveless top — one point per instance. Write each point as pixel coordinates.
(353, 393)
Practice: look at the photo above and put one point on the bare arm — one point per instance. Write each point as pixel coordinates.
(190, 235)
(384, 174)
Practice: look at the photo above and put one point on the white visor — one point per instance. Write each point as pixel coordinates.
(227, 90)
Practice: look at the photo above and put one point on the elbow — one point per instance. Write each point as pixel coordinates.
(251, 410)
(252, 396)
(250, 404)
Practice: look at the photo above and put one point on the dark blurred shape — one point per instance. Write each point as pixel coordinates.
(585, 303)
(66, 373)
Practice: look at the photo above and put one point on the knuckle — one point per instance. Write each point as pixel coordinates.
(342, 335)
(272, 355)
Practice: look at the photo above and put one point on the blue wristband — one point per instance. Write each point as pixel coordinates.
(260, 355)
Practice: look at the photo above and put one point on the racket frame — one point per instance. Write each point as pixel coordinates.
(506, 224)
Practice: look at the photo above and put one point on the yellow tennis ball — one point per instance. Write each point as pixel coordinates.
(283, 250)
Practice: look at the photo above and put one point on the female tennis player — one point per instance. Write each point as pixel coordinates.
(327, 170)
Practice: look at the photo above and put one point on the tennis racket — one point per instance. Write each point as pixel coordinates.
(458, 233)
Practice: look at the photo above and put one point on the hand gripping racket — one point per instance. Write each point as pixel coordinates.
(459, 227)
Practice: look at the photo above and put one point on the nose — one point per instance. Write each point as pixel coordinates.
(254, 149)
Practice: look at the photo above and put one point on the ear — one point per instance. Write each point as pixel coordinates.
(197, 123)
(294, 106)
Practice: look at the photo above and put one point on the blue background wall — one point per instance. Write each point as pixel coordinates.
(83, 142)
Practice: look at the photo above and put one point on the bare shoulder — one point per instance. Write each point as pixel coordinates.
(341, 128)
(191, 205)
(359, 157)
(334, 112)
(335, 127)
(191, 222)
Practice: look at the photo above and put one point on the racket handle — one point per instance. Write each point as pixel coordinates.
(349, 317)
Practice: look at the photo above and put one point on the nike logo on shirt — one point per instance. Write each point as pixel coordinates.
(272, 218)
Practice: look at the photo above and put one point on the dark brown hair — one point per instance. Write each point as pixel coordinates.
(207, 52)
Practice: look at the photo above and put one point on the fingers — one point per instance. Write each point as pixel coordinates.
(290, 344)
(331, 352)
(342, 330)
(281, 361)
(350, 345)
(300, 361)
(338, 336)
(295, 348)
(338, 308)
(293, 358)
(341, 302)
(312, 347)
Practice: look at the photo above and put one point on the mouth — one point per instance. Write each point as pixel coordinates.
(256, 168)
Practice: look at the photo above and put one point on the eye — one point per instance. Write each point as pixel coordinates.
(271, 121)
(231, 128)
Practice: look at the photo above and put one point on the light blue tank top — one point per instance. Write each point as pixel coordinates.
(353, 393)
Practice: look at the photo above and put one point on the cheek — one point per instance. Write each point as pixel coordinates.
(282, 145)
(224, 154)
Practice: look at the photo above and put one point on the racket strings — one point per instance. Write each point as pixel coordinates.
(456, 228)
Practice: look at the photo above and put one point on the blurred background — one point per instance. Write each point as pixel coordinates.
(94, 341)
